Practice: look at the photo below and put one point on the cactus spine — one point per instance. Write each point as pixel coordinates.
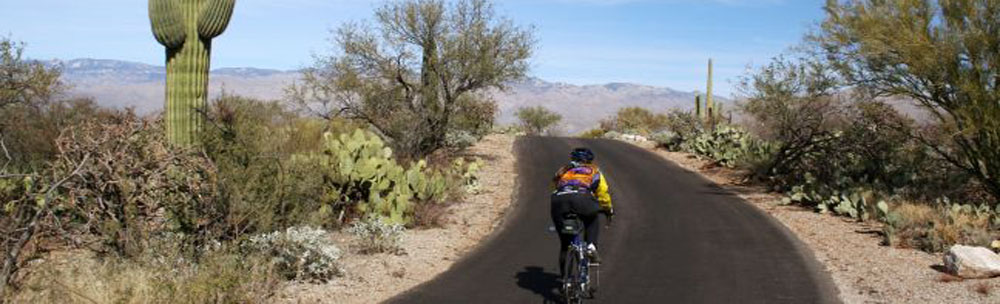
(186, 29)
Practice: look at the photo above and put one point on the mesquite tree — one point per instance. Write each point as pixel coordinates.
(186, 29)
(943, 54)
(419, 72)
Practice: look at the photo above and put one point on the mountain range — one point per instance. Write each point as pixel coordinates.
(121, 84)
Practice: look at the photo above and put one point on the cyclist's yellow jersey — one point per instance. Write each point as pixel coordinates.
(584, 178)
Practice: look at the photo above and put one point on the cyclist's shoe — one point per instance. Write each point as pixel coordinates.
(592, 254)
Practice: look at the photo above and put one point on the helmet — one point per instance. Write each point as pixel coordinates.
(582, 155)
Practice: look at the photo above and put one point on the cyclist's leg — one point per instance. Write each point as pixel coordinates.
(561, 204)
(586, 206)
(564, 241)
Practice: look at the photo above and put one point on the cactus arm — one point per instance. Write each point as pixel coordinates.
(214, 17)
(165, 20)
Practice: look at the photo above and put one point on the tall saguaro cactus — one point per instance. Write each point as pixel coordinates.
(186, 29)
(709, 107)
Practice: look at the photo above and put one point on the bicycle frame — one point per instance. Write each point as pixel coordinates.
(577, 280)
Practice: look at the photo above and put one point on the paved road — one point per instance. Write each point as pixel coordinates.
(677, 238)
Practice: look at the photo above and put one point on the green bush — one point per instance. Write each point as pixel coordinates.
(251, 143)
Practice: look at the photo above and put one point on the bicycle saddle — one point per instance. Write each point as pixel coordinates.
(571, 224)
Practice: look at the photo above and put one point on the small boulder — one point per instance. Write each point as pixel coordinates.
(972, 262)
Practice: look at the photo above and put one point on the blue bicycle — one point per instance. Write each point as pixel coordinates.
(580, 280)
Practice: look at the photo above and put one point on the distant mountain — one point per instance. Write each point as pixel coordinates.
(121, 84)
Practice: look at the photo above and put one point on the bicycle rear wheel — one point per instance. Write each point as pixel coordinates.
(572, 278)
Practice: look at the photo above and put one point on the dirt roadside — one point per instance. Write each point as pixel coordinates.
(429, 252)
(864, 271)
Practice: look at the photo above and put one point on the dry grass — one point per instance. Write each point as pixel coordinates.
(81, 277)
(430, 215)
(935, 229)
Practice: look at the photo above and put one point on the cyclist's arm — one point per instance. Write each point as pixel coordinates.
(555, 179)
(602, 192)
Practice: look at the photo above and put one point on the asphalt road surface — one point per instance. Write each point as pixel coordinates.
(676, 238)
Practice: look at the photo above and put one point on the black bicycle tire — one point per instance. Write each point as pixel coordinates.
(572, 276)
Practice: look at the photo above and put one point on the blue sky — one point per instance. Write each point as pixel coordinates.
(654, 42)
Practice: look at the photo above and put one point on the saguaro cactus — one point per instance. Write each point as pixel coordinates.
(697, 106)
(709, 107)
(186, 29)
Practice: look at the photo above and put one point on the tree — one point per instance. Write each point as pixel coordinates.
(419, 73)
(30, 116)
(796, 105)
(537, 119)
(24, 82)
(942, 54)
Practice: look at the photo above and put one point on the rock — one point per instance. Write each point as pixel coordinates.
(972, 262)
(633, 138)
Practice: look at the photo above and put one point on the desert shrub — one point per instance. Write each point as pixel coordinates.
(681, 127)
(298, 253)
(935, 228)
(33, 111)
(376, 235)
(537, 119)
(124, 185)
(460, 139)
(635, 120)
(593, 133)
(251, 143)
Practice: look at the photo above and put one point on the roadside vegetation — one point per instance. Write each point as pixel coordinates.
(537, 119)
(822, 124)
(99, 206)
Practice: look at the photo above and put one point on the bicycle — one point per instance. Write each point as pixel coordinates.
(577, 280)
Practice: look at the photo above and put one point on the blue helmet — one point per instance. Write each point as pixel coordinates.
(582, 155)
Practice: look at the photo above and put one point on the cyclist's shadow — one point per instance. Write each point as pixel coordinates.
(542, 283)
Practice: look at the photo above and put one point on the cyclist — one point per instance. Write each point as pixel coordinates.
(581, 189)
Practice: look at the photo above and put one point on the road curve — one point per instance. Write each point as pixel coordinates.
(677, 238)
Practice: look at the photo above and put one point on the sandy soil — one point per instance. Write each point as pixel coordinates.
(376, 278)
(864, 271)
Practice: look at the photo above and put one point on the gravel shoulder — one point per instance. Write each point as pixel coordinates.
(428, 252)
(864, 271)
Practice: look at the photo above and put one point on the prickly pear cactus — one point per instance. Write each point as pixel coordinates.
(186, 29)
(363, 174)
